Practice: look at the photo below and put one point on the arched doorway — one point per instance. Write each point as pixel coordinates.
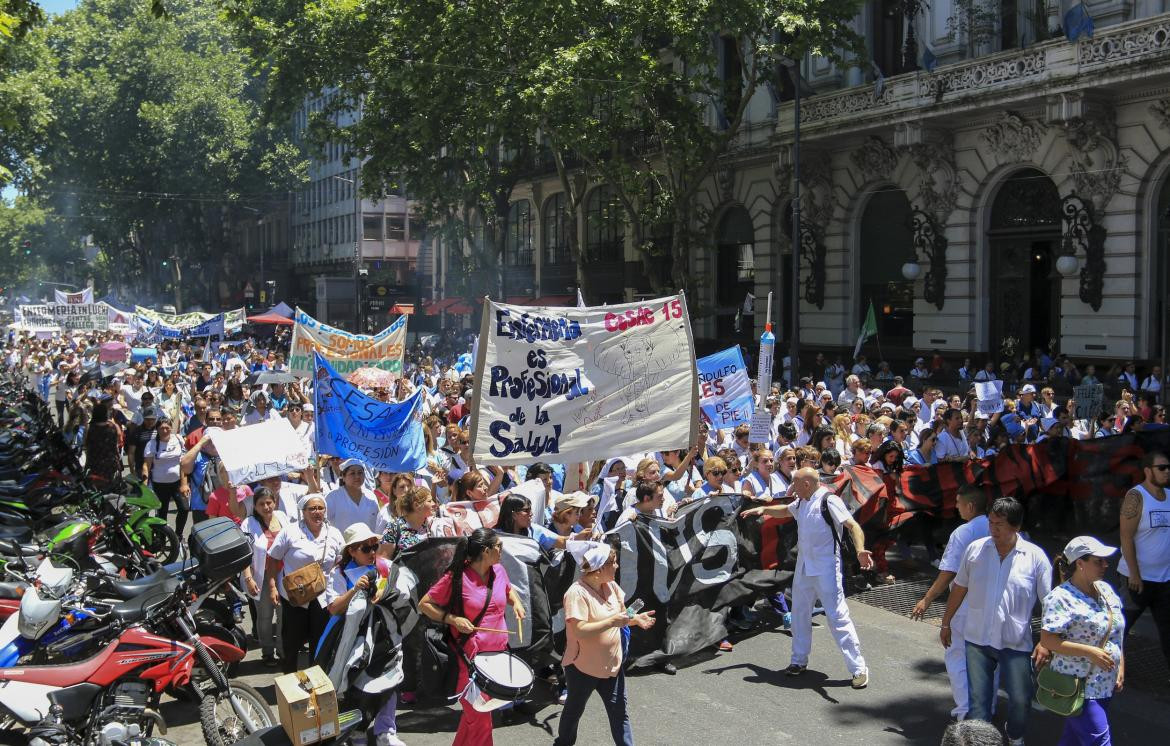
(887, 244)
(1023, 243)
(735, 273)
(1160, 285)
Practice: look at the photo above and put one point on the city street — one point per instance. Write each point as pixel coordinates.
(743, 698)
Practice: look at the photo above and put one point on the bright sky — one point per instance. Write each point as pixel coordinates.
(57, 6)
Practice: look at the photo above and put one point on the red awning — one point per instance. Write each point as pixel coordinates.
(402, 309)
(270, 318)
(552, 300)
(518, 300)
(435, 307)
(460, 307)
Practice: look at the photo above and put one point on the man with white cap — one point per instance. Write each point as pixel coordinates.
(820, 516)
(1000, 580)
(1028, 408)
(352, 502)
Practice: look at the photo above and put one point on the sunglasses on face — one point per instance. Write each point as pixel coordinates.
(368, 548)
(213, 420)
(1161, 467)
(717, 472)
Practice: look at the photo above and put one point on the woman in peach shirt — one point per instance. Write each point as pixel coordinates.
(595, 613)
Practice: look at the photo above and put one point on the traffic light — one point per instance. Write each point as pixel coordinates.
(27, 247)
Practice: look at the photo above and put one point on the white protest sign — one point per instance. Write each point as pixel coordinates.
(81, 296)
(990, 396)
(255, 452)
(83, 316)
(581, 384)
(1089, 398)
(761, 426)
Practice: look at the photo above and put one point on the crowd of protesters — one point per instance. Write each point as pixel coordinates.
(154, 419)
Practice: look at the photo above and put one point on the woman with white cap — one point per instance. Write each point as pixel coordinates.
(298, 545)
(595, 613)
(1083, 626)
(357, 570)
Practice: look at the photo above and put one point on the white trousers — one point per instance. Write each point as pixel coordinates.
(805, 590)
(955, 659)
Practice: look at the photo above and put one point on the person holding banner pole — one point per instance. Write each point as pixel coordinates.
(819, 516)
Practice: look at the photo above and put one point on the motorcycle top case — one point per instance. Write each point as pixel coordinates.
(221, 548)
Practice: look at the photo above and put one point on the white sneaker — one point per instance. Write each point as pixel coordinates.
(389, 739)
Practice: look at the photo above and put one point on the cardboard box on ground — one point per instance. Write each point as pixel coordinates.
(308, 706)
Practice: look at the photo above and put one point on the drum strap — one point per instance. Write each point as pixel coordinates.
(461, 643)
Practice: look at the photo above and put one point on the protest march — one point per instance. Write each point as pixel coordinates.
(415, 514)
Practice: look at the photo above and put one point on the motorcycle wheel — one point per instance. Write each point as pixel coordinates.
(164, 544)
(221, 726)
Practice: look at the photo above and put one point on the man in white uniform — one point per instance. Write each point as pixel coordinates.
(818, 570)
(1145, 547)
(972, 504)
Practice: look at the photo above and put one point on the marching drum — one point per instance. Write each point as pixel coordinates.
(496, 679)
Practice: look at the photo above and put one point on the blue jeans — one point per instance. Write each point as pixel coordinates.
(1015, 674)
(613, 696)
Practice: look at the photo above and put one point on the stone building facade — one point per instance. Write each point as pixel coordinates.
(1027, 183)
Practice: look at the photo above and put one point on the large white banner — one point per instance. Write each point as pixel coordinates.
(82, 296)
(345, 351)
(232, 319)
(67, 316)
(255, 452)
(582, 384)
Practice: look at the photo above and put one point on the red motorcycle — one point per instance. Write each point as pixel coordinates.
(113, 697)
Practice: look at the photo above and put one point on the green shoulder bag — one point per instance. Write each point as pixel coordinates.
(1061, 693)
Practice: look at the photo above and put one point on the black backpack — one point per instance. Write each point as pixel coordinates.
(845, 548)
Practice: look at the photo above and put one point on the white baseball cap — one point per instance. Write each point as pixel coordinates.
(1083, 546)
(1027, 388)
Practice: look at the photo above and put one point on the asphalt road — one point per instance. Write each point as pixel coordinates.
(742, 697)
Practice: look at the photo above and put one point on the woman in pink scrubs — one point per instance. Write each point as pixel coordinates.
(457, 599)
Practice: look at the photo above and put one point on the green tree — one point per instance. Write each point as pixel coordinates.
(462, 100)
(157, 141)
(23, 105)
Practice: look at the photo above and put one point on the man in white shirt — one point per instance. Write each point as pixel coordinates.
(818, 570)
(850, 394)
(352, 502)
(952, 443)
(1000, 580)
(972, 505)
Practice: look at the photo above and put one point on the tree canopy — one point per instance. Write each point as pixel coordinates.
(154, 139)
(463, 100)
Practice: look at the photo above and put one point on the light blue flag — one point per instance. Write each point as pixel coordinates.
(725, 393)
(929, 61)
(1077, 21)
(387, 436)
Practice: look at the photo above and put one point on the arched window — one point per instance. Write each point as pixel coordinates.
(887, 244)
(605, 231)
(556, 231)
(518, 244)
